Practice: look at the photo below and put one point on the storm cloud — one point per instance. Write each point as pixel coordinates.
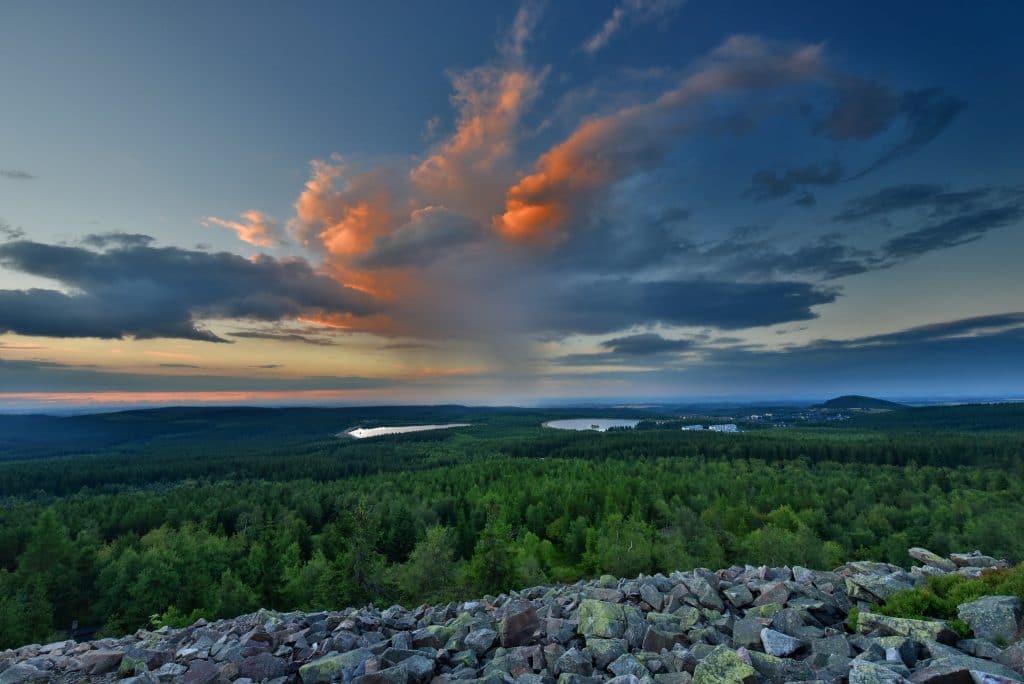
(610, 305)
(147, 292)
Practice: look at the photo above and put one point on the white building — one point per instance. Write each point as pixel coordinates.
(693, 428)
(724, 427)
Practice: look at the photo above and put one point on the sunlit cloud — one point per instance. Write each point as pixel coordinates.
(256, 228)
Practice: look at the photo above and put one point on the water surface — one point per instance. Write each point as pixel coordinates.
(363, 433)
(596, 424)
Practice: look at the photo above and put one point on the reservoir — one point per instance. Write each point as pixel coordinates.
(596, 424)
(363, 433)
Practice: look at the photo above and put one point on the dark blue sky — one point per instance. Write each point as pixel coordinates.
(492, 201)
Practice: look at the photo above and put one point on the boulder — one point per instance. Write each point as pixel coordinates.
(932, 559)
(739, 595)
(705, 591)
(921, 630)
(627, 664)
(775, 593)
(574, 661)
(601, 619)
(723, 666)
(974, 559)
(101, 662)
(16, 674)
(872, 587)
(480, 640)
(604, 651)
(201, 672)
(995, 618)
(779, 644)
(867, 672)
(338, 666)
(518, 623)
(747, 632)
(262, 666)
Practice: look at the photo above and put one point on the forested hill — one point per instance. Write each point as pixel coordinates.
(961, 418)
(41, 435)
(855, 401)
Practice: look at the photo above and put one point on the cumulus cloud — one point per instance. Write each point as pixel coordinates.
(471, 167)
(603, 150)
(629, 12)
(147, 292)
(430, 232)
(256, 228)
(117, 239)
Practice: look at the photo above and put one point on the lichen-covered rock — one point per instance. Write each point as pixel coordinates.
(747, 632)
(601, 619)
(338, 666)
(604, 651)
(723, 666)
(921, 630)
(627, 664)
(867, 672)
(974, 559)
(992, 617)
(574, 661)
(932, 559)
(480, 640)
(956, 668)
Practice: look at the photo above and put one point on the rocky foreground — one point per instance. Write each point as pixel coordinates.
(742, 624)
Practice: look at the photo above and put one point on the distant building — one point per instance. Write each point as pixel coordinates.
(693, 428)
(724, 427)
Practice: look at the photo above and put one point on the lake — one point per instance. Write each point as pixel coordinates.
(363, 433)
(596, 424)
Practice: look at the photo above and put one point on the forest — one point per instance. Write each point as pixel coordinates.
(117, 521)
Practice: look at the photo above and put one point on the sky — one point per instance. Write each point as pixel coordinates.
(509, 202)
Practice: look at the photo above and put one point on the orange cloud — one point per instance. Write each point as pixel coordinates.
(606, 149)
(342, 215)
(470, 168)
(256, 228)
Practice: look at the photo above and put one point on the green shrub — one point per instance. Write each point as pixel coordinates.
(941, 595)
(852, 617)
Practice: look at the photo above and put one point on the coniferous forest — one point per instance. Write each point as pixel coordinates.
(116, 521)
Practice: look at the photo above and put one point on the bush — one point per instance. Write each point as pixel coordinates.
(941, 595)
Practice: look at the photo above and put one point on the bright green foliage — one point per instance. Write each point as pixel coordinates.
(621, 546)
(432, 574)
(942, 594)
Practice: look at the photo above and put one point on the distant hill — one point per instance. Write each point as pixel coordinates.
(962, 418)
(856, 401)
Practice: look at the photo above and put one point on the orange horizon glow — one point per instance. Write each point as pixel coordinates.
(212, 396)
